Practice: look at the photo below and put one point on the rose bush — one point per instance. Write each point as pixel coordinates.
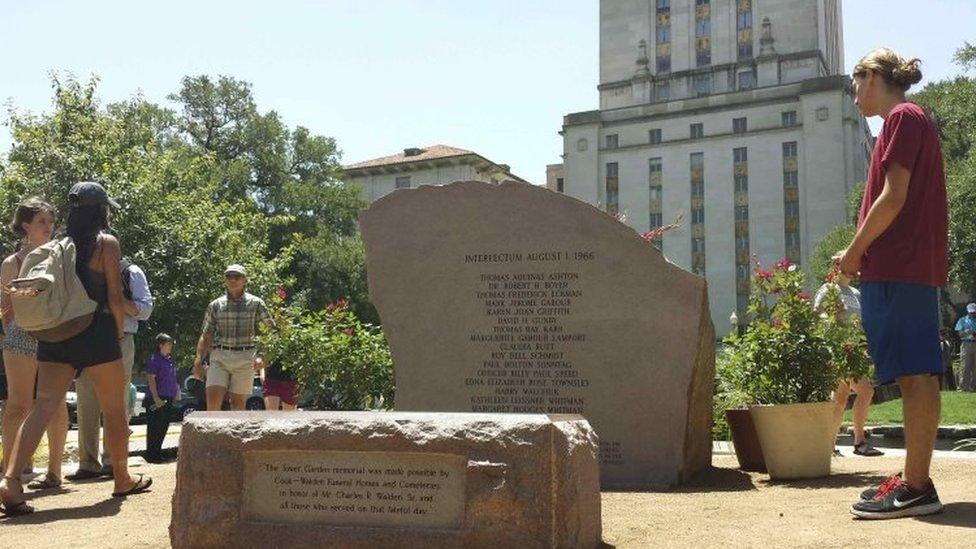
(786, 353)
(340, 362)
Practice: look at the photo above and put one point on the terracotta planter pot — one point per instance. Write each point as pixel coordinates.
(797, 439)
(745, 440)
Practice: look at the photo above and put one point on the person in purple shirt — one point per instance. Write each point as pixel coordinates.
(163, 388)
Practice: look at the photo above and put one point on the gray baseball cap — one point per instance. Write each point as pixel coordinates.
(236, 269)
(89, 193)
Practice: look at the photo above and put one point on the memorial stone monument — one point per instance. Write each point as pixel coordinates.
(515, 299)
(384, 479)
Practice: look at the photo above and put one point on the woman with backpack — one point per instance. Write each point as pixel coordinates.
(95, 350)
(34, 223)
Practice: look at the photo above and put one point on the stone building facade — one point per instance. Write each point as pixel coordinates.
(735, 115)
(433, 165)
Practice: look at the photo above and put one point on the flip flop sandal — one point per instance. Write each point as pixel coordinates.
(17, 509)
(139, 487)
(45, 482)
(865, 449)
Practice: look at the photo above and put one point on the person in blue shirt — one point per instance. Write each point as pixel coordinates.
(966, 328)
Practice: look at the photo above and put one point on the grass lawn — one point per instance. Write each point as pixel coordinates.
(957, 409)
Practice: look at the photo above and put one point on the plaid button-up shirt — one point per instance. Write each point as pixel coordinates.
(234, 322)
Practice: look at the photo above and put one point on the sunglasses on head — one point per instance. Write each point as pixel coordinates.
(233, 276)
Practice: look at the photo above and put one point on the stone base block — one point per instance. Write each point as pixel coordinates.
(365, 479)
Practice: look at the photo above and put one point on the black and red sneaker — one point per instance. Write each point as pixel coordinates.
(900, 501)
(882, 488)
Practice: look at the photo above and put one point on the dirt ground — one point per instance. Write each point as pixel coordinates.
(721, 507)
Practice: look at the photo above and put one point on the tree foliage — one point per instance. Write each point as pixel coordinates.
(952, 104)
(210, 181)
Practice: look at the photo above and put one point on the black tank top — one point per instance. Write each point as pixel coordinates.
(95, 283)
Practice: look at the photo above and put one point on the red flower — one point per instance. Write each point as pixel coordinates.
(830, 276)
(804, 296)
(777, 323)
(783, 264)
(348, 331)
(340, 303)
(848, 348)
(282, 293)
(764, 274)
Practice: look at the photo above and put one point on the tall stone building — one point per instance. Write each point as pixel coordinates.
(735, 114)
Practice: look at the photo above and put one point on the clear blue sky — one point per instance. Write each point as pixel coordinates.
(380, 75)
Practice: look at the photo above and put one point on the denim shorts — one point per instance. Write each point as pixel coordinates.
(901, 321)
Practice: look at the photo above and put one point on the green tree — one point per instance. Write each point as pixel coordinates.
(292, 176)
(952, 104)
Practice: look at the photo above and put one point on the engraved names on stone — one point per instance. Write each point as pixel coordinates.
(527, 351)
(355, 488)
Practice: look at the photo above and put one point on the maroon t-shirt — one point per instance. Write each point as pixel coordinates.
(915, 246)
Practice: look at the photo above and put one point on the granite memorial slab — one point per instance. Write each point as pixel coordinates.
(515, 299)
(376, 479)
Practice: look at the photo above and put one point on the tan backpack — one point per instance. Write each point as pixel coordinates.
(48, 298)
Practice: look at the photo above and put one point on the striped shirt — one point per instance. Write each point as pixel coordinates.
(234, 322)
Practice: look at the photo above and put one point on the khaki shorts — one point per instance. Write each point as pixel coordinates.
(233, 370)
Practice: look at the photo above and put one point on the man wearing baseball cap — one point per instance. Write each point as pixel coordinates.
(966, 327)
(230, 325)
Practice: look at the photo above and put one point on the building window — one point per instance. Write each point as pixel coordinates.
(663, 91)
(703, 32)
(559, 184)
(789, 119)
(655, 194)
(740, 209)
(697, 131)
(662, 33)
(743, 28)
(747, 80)
(612, 189)
(789, 149)
(655, 136)
(702, 84)
(697, 177)
(403, 182)
(740, 155)
(791, 201)
(612, 141)
(738, 125)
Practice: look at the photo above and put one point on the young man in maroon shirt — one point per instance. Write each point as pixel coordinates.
(900, 252)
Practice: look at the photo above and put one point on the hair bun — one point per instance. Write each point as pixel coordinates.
(908, 73)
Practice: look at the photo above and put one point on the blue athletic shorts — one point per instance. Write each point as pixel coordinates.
(901, 321)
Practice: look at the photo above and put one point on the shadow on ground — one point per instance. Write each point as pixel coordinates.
(712, 479)
(961, 513)
(105, 508)
(835, 480)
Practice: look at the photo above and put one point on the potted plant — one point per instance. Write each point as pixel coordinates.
(784, 364)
